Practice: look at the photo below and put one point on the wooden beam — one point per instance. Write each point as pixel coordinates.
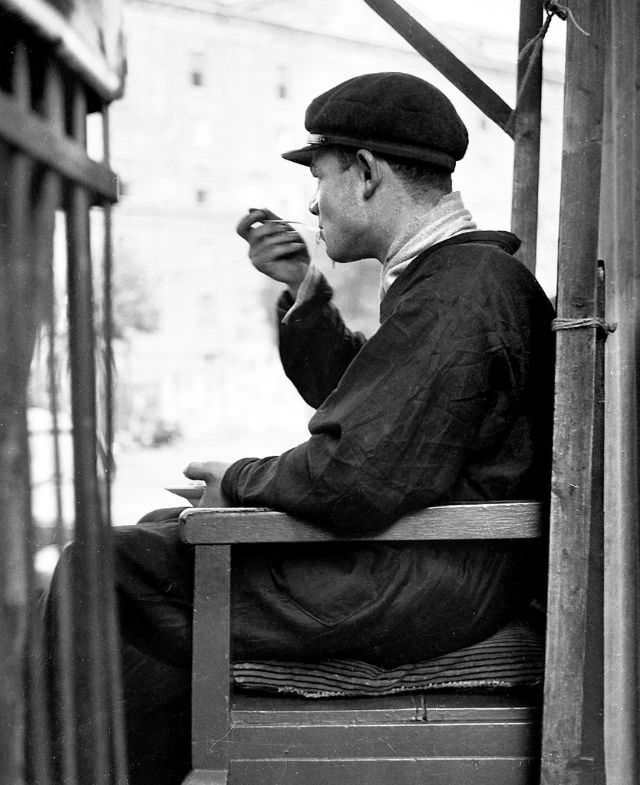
(17, 331)
(526, 158)
(460, 75)
(33, 135)
(620, 227)
(508, 520)
(572, 751)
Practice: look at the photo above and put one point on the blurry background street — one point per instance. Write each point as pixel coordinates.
(215, 91)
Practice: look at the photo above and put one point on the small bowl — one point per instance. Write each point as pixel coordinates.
(191, 493)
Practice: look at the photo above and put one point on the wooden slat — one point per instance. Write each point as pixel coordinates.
(211, 660)
(526, 162)
(90, 644)
(118, 731)
(254, 709)
(16, 345)
(108, 324)
(452, 522)
(31, 134)
(361, 741)
(54, 31)
(65, 719)
(434, 771)
(445, 61)
(45, 198)
(572, 737)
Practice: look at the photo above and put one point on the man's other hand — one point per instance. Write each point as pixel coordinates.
(275, 248)
(211, 472)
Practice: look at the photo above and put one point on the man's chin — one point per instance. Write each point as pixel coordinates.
(346, 259)
(338, 257)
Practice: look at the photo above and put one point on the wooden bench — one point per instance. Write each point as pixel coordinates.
(441, 738)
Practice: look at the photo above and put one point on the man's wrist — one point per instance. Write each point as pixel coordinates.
(305, 291)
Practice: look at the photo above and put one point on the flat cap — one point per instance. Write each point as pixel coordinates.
(390, 113)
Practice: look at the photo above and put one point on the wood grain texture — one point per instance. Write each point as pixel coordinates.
(572, 738)
(414, 771)
(211, 657)
(526, 124)
(498, 520)
(620, 243)
(33, 135)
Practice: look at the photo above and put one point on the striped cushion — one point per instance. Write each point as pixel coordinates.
(511, 657)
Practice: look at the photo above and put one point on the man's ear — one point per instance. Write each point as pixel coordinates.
(370, 171)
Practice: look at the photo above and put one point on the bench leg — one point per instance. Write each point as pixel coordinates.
(206, 777)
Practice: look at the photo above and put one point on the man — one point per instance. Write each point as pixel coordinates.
(448, 401)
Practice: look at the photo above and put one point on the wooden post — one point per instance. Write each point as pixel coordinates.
(572, 751)
(16, 343)
(527, 113)
(620, 227)
(92, 692)
(211, 716)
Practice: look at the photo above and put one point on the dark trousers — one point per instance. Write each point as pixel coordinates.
(381, 603)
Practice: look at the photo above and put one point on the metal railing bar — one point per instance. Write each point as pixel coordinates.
(34, 136)
(436, 53)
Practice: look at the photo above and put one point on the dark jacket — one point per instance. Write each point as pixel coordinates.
(450, 400)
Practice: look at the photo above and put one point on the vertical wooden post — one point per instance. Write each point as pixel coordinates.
(572, 751)
(527, 113)
(15, 351)
(65, 720)
(94, 760)
(110, 609)
(211, 657)
(620, 227)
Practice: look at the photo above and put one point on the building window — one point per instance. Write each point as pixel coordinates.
(197, 69)
(282, 82)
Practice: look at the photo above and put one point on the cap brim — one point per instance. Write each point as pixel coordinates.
(437, 158)
(303, 155)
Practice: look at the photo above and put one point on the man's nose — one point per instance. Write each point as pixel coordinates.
(313, 205)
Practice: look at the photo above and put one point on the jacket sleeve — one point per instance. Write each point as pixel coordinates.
(443, 377)
(315, 345)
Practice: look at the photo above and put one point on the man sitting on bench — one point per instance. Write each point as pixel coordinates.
(449, 401)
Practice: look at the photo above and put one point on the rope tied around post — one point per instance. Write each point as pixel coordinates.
(589, 321)
(564, 12)
(533, 48)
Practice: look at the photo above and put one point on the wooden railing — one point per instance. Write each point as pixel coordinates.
(49, 187)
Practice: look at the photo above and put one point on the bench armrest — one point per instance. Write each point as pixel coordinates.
(480, 521)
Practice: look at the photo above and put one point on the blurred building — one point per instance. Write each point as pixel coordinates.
(215, 92)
